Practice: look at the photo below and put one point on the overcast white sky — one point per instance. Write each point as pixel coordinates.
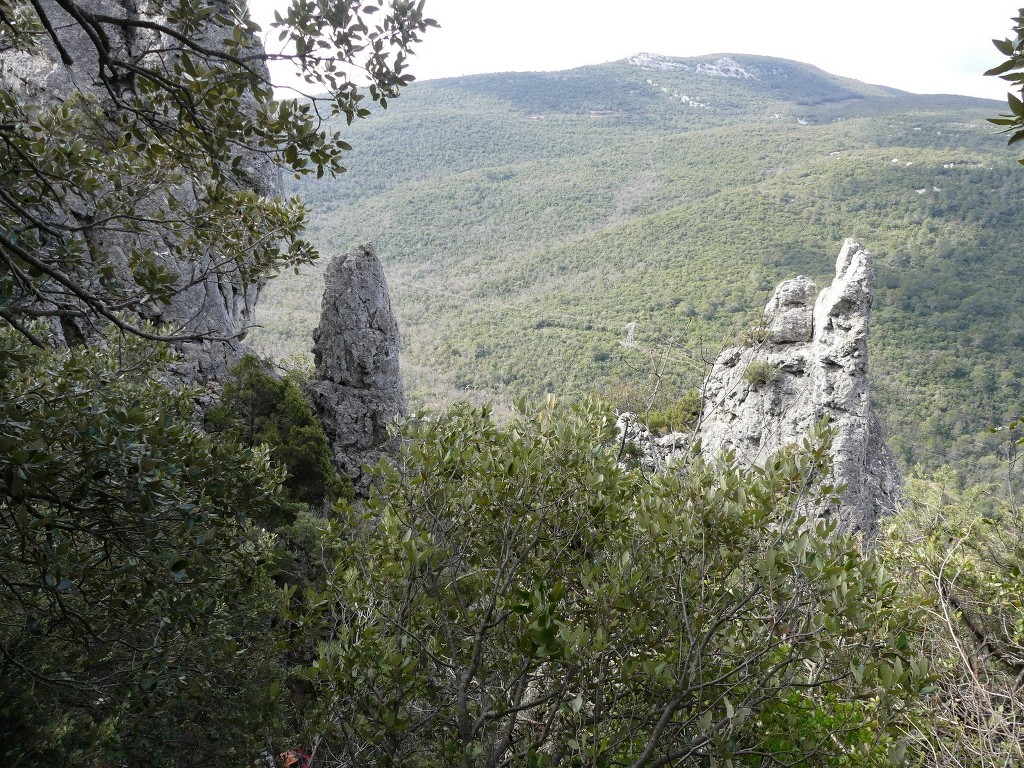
(924, 46)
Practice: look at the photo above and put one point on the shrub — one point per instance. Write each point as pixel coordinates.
(259, 408)
(678, 415)
(760, 373)
(512, 596)
(135, 605)
(960, 552)
(757, 332)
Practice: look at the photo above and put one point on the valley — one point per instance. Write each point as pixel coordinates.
(527, 220)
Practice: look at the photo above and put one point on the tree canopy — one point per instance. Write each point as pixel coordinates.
(259, 408)
(139, 146)
(513, 596)
(133, 588)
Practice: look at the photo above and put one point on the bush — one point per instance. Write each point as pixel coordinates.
(757, 332)
(961, 553)
(135, 602)
(678, 415)
(258, 408)
(655, 400)
(513, 596)
(760, 373)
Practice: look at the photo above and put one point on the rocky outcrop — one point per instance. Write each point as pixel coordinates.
(357, 389)
(214, 298)
(653, 453)
(809, 361)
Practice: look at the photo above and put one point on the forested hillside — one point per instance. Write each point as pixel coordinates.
(526, 220)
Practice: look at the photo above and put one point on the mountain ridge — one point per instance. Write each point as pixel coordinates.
(775, 71)
(519, 243)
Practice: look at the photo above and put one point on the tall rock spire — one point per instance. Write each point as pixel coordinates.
(357, 389)
(811, 361)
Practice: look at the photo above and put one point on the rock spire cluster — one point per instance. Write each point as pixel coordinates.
(812, 363)
(808, 359)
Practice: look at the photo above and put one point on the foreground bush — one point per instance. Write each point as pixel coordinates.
(258, 408)
(513, 597)
(959, 554)
(135, 595)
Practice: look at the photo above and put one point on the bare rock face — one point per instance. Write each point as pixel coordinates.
(213, 299)
(812, 364)
(656, 453)
(357, 390)
(789, 312)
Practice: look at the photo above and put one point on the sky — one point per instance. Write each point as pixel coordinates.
(923, 46)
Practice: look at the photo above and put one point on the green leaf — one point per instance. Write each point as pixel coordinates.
(1006, 66)
(1005, 47)
(1016, 105)
(148, 681)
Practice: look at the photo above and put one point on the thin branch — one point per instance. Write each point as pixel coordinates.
(23, 330)
(65, 57)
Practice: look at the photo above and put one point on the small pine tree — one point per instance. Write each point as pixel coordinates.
(260, 408)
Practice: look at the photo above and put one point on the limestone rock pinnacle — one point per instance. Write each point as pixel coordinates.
(813, 363)
(357, 388)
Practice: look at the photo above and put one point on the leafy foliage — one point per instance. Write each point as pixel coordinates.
(153, 182)
(258, 408)
(958, 552)
(677, 415)
(139, 162)
(134, 594)
(761, 372)
(512, 595)
(655, 405)
(1012, 70)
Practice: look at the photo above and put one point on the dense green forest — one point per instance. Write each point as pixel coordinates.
(526, 219)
